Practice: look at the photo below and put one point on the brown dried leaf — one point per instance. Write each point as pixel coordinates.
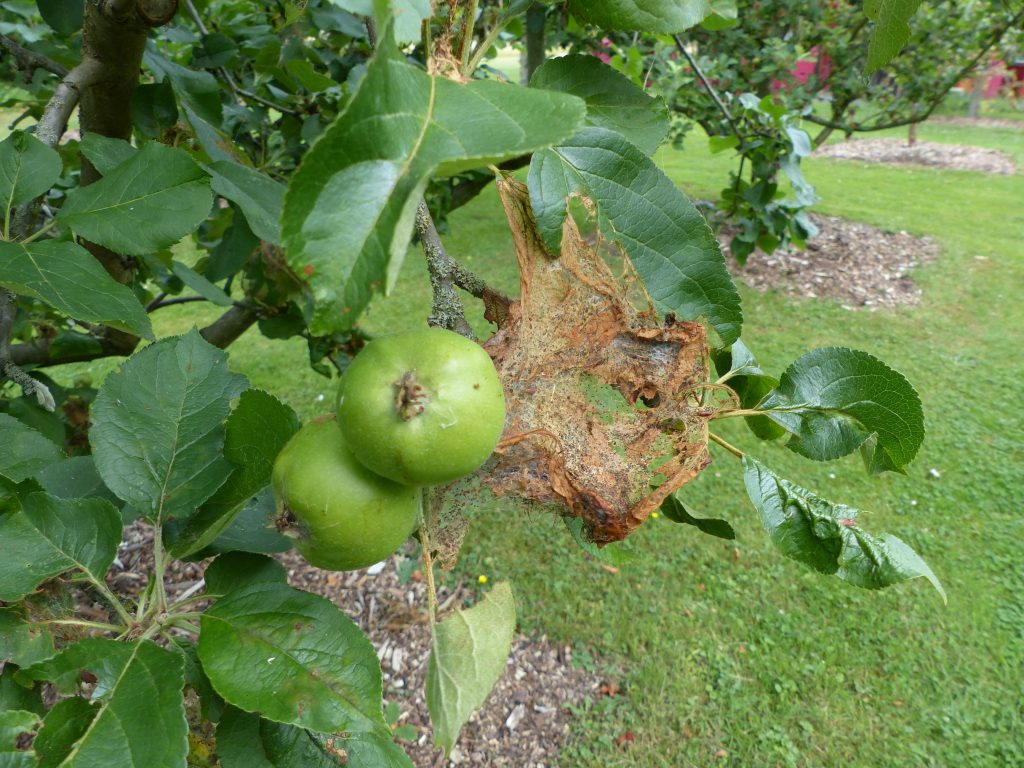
(603, 400)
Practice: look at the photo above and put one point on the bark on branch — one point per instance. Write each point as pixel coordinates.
(8, 369)
(447, 311)
(29, 61)
(229, 326)
(710, 89)
(445, 274)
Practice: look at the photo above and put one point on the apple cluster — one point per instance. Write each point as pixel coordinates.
(414, 409)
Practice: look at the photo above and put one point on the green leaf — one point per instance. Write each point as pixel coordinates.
(616, 553)
(68, 277)
(738, 360)
(724, 15)
(234, 249)
(145, 204)
(21, 642)
(308, 77)
(199, 96)
(198, 91)
(252, 530)
(75, 478)
(827, 537)
(468, 655)
(140, 719)
(664, 235)
(154, 109)
(407, 15)
(256, 431)
(64, 725)
(375, 750)
(676, 510)
(349, 209)
(657, 16)
(214, 140)
(836, 399)
(15, 696)
(63, 17)
(201, 285)
(216, 50)
(158, 431)
(245, 740)
(721, 143)
(104, 152)
(14, 725)
(67, 343)
(738, 367)
(293, 657)
(27, 410)
(50, 536)
(613, 100)
(26, 452)
(260, 198)
(891, 29)
(234, 571)
(28, 168)
(211, 705)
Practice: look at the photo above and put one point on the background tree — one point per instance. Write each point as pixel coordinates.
(787, 76)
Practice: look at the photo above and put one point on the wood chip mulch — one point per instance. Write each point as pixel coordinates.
(980, 122)
(959, 157)
(524, 722)
(856, 264)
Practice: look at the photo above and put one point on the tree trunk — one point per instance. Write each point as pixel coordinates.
(912, 134)
(977, 92)
(536, 15)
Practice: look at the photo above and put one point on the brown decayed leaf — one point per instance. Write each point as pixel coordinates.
(604, 401)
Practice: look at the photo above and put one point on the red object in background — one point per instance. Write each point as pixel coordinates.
(1000, 76)
(995, 83)
(820, 67)
(1018, 72)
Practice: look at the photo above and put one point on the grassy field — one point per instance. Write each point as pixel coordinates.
(727, 653)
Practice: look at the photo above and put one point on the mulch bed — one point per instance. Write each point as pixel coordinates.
(980, 122)
(960, 157)
(856, 264)
(524, 721)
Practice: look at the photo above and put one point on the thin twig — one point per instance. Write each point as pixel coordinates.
(240, 93)
(728, 446)
(28, 385)
(428, 562)
(156, 301)
(485, 45)
(466, 41)
(29, 61)
(446, 311)
(111, 598)
(920, 117)
(155, 305)
(711, 91)
(20, 118)
(65, 98)
(85, 624)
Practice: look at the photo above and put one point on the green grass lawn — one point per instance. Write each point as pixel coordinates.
(727, 653)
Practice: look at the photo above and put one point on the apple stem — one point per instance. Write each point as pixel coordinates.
(410, 397)
(428, 561)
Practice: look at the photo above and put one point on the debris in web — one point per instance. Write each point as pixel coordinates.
(606, 412)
